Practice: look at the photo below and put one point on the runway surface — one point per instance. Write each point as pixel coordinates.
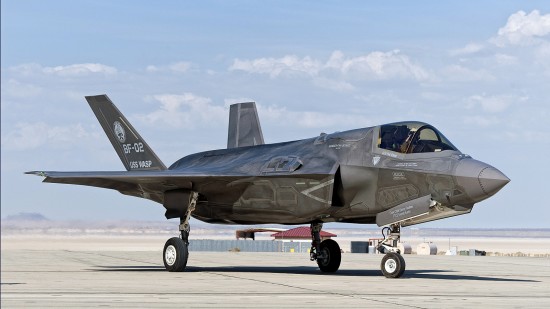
(81, 276)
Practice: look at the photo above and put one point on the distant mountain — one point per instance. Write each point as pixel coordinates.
(27, 216)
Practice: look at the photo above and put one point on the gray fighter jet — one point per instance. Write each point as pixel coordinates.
(392, 175)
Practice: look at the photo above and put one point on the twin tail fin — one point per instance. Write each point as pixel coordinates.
(133, 151)
(244, 126)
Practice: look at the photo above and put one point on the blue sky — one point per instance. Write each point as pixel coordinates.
(480, 72)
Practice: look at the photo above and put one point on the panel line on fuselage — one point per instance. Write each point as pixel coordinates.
(307, 192)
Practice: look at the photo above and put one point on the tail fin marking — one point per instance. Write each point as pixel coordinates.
(133, 151)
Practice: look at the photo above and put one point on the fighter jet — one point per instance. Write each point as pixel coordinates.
(392, 175)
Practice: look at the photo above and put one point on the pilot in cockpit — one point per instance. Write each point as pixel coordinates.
(412, 137)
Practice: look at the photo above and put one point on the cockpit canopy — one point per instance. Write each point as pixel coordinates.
(412, 137)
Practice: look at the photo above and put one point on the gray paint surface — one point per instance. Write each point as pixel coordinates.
(353, 176)
(244, 126)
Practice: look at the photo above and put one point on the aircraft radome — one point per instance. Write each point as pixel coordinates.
(392, 175)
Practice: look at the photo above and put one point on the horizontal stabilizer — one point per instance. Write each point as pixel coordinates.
(244, 126)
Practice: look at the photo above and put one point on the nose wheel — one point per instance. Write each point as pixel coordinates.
(393, 264)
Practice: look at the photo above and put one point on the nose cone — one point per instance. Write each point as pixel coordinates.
(479, 180)
(492, 180)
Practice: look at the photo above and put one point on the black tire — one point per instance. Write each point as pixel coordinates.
(175, 254)
(393, 265)
(333, 255)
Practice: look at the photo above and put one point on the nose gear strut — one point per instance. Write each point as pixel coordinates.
(391, 235)
(393, 264)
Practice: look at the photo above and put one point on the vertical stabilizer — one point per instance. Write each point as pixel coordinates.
(133, 151)
(244, 126)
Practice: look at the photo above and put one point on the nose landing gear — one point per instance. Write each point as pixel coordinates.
(393, 264)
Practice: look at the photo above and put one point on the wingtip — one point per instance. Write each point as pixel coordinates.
(37, 173)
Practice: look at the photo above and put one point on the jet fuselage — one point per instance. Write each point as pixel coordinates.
(340, 177)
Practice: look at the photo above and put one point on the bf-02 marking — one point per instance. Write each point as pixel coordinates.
(136, 147)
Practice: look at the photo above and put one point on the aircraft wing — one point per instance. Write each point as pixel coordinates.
(150, 184)
(145, 184)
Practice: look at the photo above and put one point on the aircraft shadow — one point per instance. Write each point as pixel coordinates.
(434, 274)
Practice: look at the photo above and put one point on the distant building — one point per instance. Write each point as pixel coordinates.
(251, 233)
(301, 233)
(293, 240)
(298, 239)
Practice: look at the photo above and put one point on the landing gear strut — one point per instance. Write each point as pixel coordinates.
(176, 249)
(393, 264)
(327, 253)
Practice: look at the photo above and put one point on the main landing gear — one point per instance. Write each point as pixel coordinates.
(393, 264)
(176, 249)
(327, 253)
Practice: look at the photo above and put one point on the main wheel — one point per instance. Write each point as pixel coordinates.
(393, 265)
(331, 256)
(175, 254)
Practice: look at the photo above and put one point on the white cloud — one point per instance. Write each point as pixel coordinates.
(184, 111)
(26, 69)
(191, 111)
(378, 66)
(433, 96)
(383, 98)
(482, 121)
(324, 120)
(79, 69)
(528, 136)
(310, 120)
(503, 59)
(152, 68)
(177, 67)
(27, 136)
(17, 89)
(470, 48)
(494, 104)
(373, 66)
(332, 84)
(523, 29)
(287, 65)
(460, 73)
(542, 57)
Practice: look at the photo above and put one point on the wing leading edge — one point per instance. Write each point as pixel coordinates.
(145, 184)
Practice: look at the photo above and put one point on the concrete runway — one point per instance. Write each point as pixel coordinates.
(85, 277)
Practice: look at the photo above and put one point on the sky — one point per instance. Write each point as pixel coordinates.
(478, 71)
